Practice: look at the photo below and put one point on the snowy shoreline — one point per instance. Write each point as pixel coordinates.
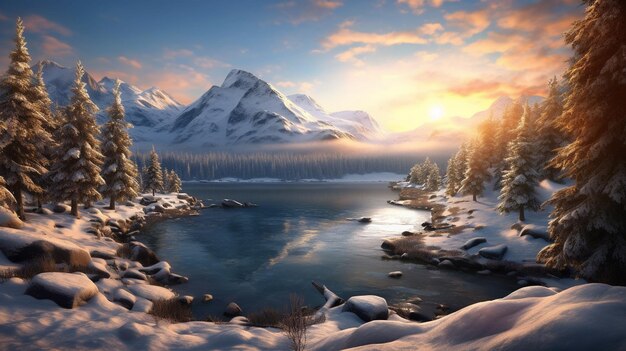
(380, 177)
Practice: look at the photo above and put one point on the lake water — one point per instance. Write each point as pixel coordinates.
(258, 256)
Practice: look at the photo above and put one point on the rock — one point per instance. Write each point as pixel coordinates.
(173, 279)
(232, 310)
(61, 208)
(517, 226)
(367, 307)
(395, 274)
(228, 203)
(207, 298)
(68, 290)
(464, 262)
(364, 220)
(484, 272)
(183, 196)
(142, 305)
(27, 246)
(250, 204)
(121, 265)
(154, 208)
(418, 316)
(151, 292)
(240, 320)
(147, 200)
(124, 298)
(446, 264)
(522, 282)
(473, 242)
(129, 204)
(134, 274)
(407, 233)
(9, 219)
(493, 252)
(427, 224)
(432, 196)
(44, 211)
(388, 245)
(99, 268)
(185, 300)
(156, 268)
(535, 232)
(141, 253)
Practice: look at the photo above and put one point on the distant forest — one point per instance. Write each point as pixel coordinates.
(288, 166)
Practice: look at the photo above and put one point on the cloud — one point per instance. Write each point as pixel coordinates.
(299, 87)
(39, 24)
(346, 36)
(297, 12)
(190, 57)
(495, 88)
(130, 62)
(350, 55)
(53, 47)
(171, 54)
(286, 84)
(417, 6)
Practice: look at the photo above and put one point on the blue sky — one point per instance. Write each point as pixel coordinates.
(397, 59)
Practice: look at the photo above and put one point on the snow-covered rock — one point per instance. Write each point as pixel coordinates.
(535, 231)
(473, 242)
(9, 219)
(151, 292)
(367, 307)
(232, 310)
(28, 246)
(68, 290)
(495, 252)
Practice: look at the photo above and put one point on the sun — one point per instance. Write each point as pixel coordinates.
(435, 113)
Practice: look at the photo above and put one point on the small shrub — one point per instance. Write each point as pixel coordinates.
(295, 323)
(267, 317)
(172, 310)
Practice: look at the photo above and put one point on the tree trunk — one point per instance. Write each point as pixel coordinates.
(87, 204)
(112, 205)
(522, 218)
(474, 197)
(19, 202)
(74, 207)
(39, 203)
(152, 191)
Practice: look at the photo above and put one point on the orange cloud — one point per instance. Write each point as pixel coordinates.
(39, 24)
(130, 62)
(53, 47)
(307, 11)
(346, 36)
(417, 6)
(494, 88)
(350, 55)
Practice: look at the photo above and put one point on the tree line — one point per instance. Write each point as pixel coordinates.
(577, 135)
(59, 153)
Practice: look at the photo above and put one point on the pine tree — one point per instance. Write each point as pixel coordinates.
(452, 182)
(589, 217)
(419, 172)
(6, 198)
(506, 134)
(460, 160)
(488, 133)
(433, 180)
(23, 133)
(175, 184)
(166, 180)
(477, 172)
(142, 178)
(76, 173)
(119, 171)
(550, 136)
(154, 175)
(521, 176)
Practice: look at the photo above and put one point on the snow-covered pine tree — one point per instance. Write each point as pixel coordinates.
(550, 136)
(460, 160)
(23, 135)
(433, 181)
(589, 217)
(477, 172)
(419, 172)
(166, 180)
(41, 98)
(521, 176)
(154, 175)
(488, 133)
(175, 184)
(119, 171)
(76, 173)
(452, 182)
(506, 134)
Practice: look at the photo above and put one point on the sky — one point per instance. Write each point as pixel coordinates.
(406, 62)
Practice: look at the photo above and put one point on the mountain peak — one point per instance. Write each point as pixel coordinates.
(50, 63)
(240, 79)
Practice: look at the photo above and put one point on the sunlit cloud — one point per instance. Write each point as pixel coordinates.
(39, 24)
(417, 6)
(130, 62)
(347, 36)
(351, 54)
(53, 47)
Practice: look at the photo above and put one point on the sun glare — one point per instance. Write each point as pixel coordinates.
(435, 113)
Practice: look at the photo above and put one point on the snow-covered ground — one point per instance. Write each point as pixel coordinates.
(589, 316)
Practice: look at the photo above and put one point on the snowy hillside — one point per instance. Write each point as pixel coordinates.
(248, 110)
(145, 109)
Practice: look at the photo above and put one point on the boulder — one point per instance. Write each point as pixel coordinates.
(395, 274)
(367, 307)
(141, 253)
(68, 290)
(446, 264)
(151, 292)
(535, 232)
(232, 310)
(124, 298)
(61, 208)
(185, 300)
(228, 203)
(147, 200)
(473, 242)
(207, 298)
(493, 252)
(134, 274)
(9, 219)
(99, 268)
(463, 262)
(102, 254)
(27, 246)
(517, 226)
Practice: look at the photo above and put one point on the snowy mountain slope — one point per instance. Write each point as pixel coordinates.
(358, 123)
(247, 110)
(145, 109)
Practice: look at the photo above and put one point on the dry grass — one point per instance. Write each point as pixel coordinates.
(172, 310)
(267, 317)
(43, 264)
(295, 323)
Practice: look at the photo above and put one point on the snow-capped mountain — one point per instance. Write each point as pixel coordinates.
(145, 109)
(247, 110)
(358, 123)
